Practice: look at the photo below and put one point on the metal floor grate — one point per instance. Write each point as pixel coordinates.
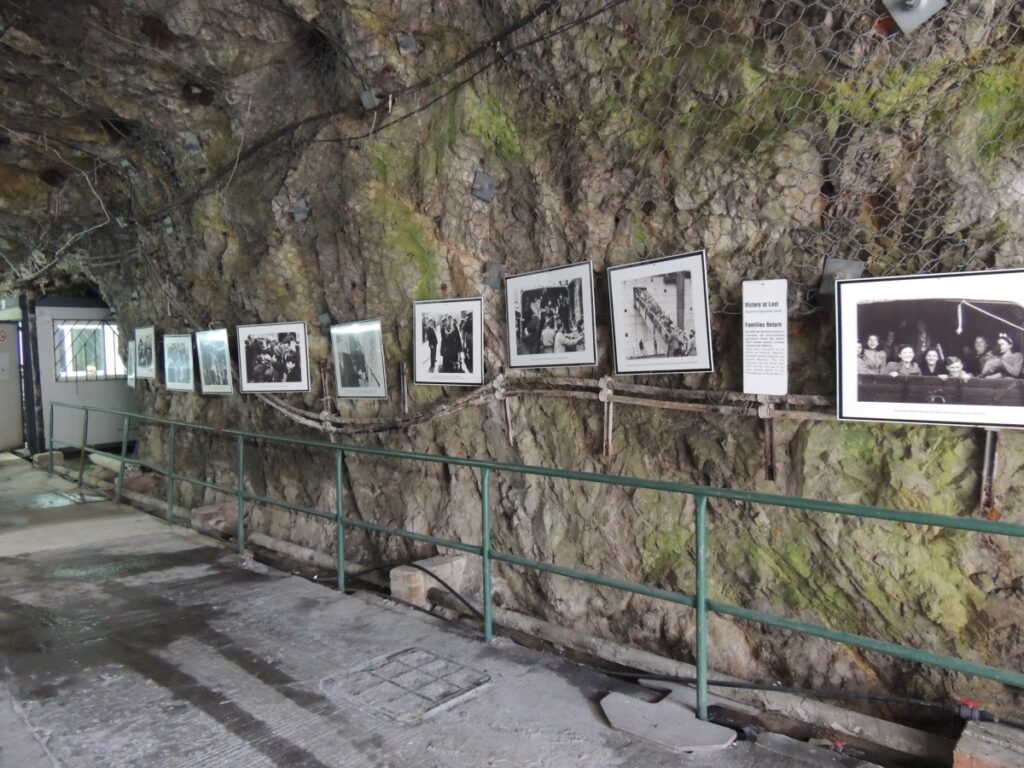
(407, 686)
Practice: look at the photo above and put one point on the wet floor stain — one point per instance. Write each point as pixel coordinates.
(93, 568)
(93, 622)
(44, 501)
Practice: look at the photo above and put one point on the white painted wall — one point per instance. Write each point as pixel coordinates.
(67, 423)
(10, 389)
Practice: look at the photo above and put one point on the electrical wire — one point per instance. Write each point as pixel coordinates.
(412, 564)
(211, 181)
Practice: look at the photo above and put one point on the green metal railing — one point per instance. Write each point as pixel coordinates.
(699, 600)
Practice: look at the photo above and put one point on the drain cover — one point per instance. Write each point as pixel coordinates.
(407, 686)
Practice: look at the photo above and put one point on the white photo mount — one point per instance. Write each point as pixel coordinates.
(661, 321)
(550, 314)
(145, 352)
(273, 357)
(179, 370)
(358, 351)
(448, 342)
(214, 362)
(956, 315)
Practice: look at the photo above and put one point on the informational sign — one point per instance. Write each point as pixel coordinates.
(765, 342)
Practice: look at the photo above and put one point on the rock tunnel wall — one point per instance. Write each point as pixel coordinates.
(209, 164)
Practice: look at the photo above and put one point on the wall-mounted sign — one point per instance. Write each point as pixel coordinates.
(765, 343)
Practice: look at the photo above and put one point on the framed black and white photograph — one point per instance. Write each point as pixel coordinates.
(359, 359)
(273, 357)
(130, 366)
(214, 362)
(551, 317)
(936, 349)
(178, 370)
(145, 353)
(660, 317)
(448, 342)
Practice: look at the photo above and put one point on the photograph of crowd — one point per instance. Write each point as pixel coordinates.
(659, 315)
(272, 358)
(946, 348)
(551, 317)
(145, 353)
(214, 362)
(448, 342)
(359, 359)
(178, 363)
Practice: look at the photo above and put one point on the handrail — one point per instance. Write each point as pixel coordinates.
(700, 600)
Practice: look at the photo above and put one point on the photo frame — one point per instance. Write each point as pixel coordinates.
(130, 364)
(934, 349)
(448, 342)
(145, 353)
(273, 357)
(179, 370)
(358, 352)
(661, 321)
(550, 314)
(214, 362)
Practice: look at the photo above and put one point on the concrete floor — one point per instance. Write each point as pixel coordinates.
(124, 642)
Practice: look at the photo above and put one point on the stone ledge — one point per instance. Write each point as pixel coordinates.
(411, 585)
(989, 745)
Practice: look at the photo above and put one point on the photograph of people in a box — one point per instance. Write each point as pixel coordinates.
(932, 348)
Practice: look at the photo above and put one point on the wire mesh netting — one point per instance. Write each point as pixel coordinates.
(776, 135)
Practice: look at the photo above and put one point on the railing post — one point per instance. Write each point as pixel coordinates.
(170, 472)
(702, 608)
(339, 512)
(81, 453)
(241, 495)
(124, 455)
(51, 437)
(485, 550)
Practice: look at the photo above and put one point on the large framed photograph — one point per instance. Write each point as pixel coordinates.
(448, 342)
(936, 349)
(273, 357)
(551, 317)
(660, 317)
(178, 370)
(214, 362)
(145, 353)
(359, 359)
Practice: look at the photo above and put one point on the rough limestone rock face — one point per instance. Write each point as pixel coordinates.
(205, 164)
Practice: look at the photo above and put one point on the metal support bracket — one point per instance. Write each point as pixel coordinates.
(605, 396)
(766, 412)
(989, 508)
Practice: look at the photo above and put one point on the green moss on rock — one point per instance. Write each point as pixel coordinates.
(495, 128)
(415, 251)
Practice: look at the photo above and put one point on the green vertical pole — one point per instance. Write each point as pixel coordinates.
(124, 455)
(339, 513)
(241, 495)
(51, 438)
(485, 549)
(702, 608)
(81, 454)
(170, 472)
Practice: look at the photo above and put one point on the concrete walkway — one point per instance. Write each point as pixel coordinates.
(124, 642)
